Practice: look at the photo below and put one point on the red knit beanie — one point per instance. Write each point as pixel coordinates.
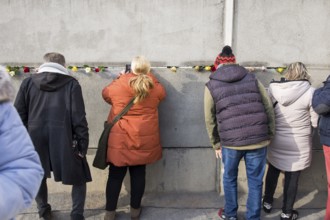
(226, 56)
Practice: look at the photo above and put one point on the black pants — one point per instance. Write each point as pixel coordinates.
(290, 187)
(78, 195)
(115, 180)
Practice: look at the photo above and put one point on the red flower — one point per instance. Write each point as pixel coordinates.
(97, 69)
(213, 68)
(26, 69)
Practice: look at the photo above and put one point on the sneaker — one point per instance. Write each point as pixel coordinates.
(222, 215)
(292, 216)
(267, 206)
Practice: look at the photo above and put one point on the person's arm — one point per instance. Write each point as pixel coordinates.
(210, 120)
(105, 94)
(79, 122)
(313, 114)
(21, 104)
(20, 169)
(162, 93)
(269, 109)
(321, 100)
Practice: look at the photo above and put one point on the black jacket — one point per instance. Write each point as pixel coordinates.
(52, 108)
(321, 105)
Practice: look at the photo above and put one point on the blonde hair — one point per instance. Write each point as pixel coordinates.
(55, 58)
(297, 71)
(141, 83)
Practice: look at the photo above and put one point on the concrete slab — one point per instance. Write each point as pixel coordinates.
(178, 206)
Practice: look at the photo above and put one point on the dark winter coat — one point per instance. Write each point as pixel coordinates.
(52, 109)
(321, 105)
(240, 112)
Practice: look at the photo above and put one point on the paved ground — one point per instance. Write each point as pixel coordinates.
(174, 206)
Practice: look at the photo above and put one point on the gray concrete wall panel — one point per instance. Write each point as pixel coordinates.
(280, 32)
(100, 31)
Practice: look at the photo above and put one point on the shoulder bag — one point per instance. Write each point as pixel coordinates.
(100, 159)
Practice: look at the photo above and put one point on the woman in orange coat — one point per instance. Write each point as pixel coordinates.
(134, 140)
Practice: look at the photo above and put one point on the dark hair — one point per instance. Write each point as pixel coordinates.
(55, 58)
(226, 51)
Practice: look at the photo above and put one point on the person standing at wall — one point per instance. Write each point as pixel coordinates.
(239, 119)
(134, 140)
(20, 168)
(52, 108)
(321, 105)
(291, 149)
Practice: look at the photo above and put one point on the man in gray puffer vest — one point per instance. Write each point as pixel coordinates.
(240, 122)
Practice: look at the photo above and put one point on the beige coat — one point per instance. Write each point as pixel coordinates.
(291, 148)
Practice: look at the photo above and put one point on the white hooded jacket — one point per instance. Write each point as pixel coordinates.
(291, 148)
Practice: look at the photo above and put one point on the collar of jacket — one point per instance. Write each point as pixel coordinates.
(53, 68)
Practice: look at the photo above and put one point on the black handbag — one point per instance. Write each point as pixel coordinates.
(100, 159)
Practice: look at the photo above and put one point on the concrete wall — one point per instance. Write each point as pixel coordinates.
(100, 31)
(267, 33)
(280, 32)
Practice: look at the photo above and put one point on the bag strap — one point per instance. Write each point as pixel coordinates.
(124, 111)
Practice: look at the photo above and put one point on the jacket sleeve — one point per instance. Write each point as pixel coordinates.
(21, 104)
(159, 86)
(20, 169)
(107, 91)
(313, 114)
(269, 109)
(78, 120)
(210, 119)
(162, 91)
(321, 100)
(105, 94)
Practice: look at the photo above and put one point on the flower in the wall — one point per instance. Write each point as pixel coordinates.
(26, 69)
(213, 68)
(280, 69)
(197, 68)
(12, 70)
(74, 69)
(173, 69)
(101, 68)
(12, 73)
(208, 68)
(88, 69)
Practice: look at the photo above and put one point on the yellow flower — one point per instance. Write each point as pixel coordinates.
(74, 69)
(207, 68)
(8, 70)
(280, 69)
(197, 68)
(173, 69)
(12, 73)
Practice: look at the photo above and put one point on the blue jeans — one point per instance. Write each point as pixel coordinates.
(255, 162)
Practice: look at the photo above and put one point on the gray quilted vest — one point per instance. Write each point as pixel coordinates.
(240, 113)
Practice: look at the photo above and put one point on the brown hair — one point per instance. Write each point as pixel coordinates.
(141, 83)
(55, 58)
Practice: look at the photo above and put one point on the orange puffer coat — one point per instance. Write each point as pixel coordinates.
(134, 139)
